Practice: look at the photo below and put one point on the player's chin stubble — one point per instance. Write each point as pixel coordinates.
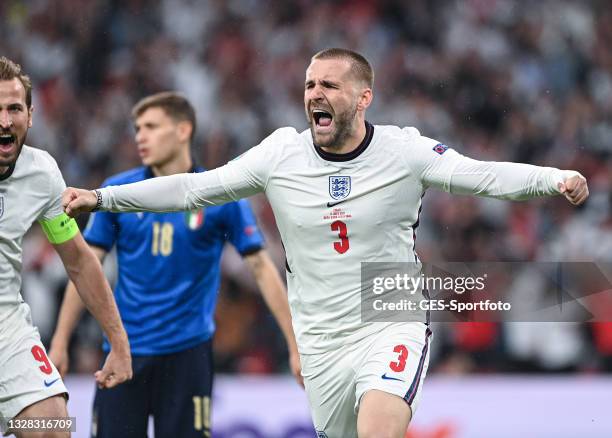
(344, 125)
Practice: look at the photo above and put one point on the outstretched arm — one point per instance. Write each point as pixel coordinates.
(85, 271)
(275, 296)
(514, 181)
(240, 178)
(450, 171)
(184, 191)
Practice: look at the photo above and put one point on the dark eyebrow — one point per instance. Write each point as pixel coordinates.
(325, 83)
(137, 126)
(15, 105)
(329, 83)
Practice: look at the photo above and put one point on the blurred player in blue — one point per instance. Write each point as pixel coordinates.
(167, 287)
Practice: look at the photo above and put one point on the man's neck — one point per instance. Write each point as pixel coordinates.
(182, 165)
(351, 143)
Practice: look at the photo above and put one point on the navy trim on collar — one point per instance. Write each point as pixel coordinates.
(8, 173)
(330, 156)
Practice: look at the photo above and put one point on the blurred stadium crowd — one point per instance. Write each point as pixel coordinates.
(495, 79)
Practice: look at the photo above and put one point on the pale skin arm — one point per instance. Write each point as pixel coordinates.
(275, 295)
(85, 271)
(69, 316)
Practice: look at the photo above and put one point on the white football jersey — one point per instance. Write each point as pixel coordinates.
(31, 192)
(336, 211)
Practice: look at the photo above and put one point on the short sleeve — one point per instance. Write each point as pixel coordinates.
(56, 187)
(101, 230)
(241, 227)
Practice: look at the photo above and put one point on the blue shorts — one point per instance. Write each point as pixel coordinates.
(174, 388)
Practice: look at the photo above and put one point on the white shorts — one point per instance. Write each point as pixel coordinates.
(26, 373)
(394, 360)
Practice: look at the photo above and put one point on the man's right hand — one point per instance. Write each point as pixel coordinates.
(117, 368)
(76, 201)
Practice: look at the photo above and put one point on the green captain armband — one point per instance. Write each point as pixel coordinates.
(60, 229)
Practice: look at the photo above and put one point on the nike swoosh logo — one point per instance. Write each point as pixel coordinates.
(385, 377)
(332, 204)
(47, 384)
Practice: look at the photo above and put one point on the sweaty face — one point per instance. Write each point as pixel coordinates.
(15, 120)
(330, 101)
(156, 137)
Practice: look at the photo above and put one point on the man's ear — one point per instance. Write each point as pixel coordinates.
(365, 99)
(184, 129)
(30, 111)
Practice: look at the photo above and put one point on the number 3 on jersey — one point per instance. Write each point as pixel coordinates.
(343, 245)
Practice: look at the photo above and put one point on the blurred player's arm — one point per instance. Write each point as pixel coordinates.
(69, 316)
(275, 295)
(450, 171)
(85, 271)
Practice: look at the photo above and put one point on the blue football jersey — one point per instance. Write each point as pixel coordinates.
(168, 263)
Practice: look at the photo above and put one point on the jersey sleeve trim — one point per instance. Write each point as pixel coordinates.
(252, 249)
(60, 229)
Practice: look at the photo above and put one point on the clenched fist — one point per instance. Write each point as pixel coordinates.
(76, 201)
(574, 188)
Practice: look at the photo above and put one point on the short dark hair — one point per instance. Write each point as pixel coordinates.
(174, 104)
(10, 70)
(360, 67)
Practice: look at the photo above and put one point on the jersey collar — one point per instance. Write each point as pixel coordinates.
(329, 156)
(8, 172)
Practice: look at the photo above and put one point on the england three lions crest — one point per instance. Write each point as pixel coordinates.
(339, 187)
